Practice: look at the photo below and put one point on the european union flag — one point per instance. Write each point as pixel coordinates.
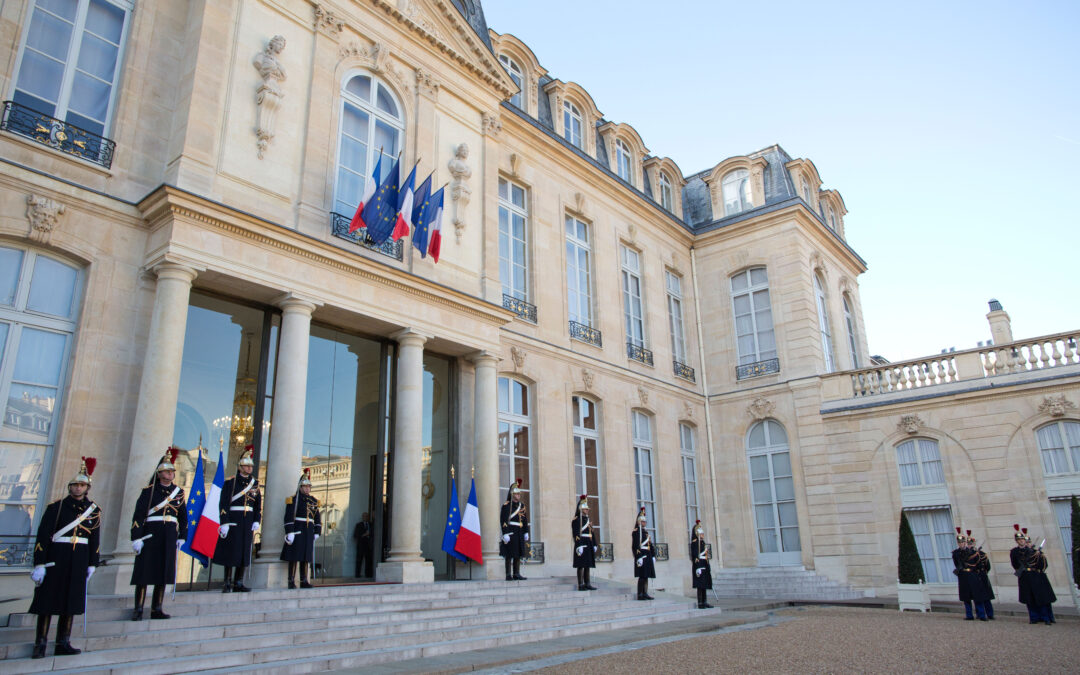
(195, 503)
(420, 223)
(453, 524)
(380, 214)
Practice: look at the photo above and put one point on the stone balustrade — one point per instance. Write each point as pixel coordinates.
(1034, 354)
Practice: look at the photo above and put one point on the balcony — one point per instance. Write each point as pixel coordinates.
(389, 248)
(757, 369)
(639, 353)
(525, 310)
(57, 134)
(684, 371)
(588, 334)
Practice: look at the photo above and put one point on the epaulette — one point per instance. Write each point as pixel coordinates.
(314, 499)
(505, 503)
(288, 500)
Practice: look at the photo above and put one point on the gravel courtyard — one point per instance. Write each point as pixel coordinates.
(848, 640)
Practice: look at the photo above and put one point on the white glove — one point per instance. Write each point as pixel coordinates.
(289, 538)
(640, 561)
(179, 543)
(255, 527)
(316, 538)
(223, 531)
(526, 536)
(595, 549)
(137, 546)
(90, 572)
(38, 575)
(580, 550)
(698, 571)
(506, 539)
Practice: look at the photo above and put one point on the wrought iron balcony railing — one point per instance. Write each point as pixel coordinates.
(580, 331)
(523, 309)
(536, 553)
(661, 551)
(57, 134)
(757, 369)
(606, 553)
(389, 248)
(639, 353)
(684, 371)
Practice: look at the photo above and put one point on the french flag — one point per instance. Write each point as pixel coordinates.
(468, 539)
(405, 207)
(435, 231)
(206, 532)
(369, 190)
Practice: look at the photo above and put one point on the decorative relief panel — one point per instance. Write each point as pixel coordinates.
(44, 215)
(910, 424)
(377, 58)
(268, 94)
(518, 356)
(490, 124)
(1056, 405)
(587, 377)
(426, 83)
(643, 396)
(760, 408)
(326, 22)
(460, 192)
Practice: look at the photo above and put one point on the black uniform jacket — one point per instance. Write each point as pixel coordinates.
(241, 507)
(161, 517)
(969, 584)
(984, 573)
(1030, 566)
(643, 546)
(515, 522)
(303, 519)
(699, 559)
(582, 531)
(68, 538)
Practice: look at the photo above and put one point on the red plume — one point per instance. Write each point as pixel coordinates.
(958, 530)
(697, 522)
(90, 464)
(307, 471)
(173, 453)
(249, 446)
(969, 533)
(519, 482)
(1016, 526)
(582, 497)
(1024, 530)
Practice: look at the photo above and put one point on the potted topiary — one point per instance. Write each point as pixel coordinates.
(911, 589)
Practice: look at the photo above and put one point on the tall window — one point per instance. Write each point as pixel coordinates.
(667, 193)
(515, 431)
(772, 488)
(587, 458)
(689, 473)
(371, 120)
(853, 342)
(578, 271)
(572, 126)
(675, 316)
(1063, 513)
(622, 161)
(71, 59)
(1059, 445)
(736, 189)
(933, 530)
(516, 75)
(513, 246)
(823, 325)
(753, 316)
(632, 305)
(643, 469)
(920, 463)
(39, 306)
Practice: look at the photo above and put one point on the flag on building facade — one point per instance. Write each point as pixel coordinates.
(468, 539)
(420, 226)
(369, 192)
(435, 225)
(380, 213)
(195, 503)
(453, 523)
(405, 207)
(206, 536)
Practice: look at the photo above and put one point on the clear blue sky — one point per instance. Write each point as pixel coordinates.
(950, 128)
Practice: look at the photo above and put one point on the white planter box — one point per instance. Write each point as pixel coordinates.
(913, 596)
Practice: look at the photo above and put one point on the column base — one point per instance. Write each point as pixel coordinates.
(114, 578)
(268, 573)
(405, 572)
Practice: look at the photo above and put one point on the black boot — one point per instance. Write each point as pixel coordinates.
(645, 590)
(509, 575)
(238, 581)
(156, 602)
(588, 582)
(292, 575)
(517, 570)
(226, 586)
(702, 601)
(580, 579)
(140, 598)
(304, 576)
(41, 637)
(640, 589)
(63, 637)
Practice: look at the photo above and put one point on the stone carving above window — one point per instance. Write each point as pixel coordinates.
(1056, 405)
(427, 84)
(688, 410)
(378, 59)
(518, 356)
(326, 22)
(643, 396)
(587, 377)
(910, 424)
(44, 215)
(268, 94)
(460, 192)
(490, 124)
(761, 408)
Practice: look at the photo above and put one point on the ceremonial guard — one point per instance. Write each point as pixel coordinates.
(969, 585)
(983, 570)
(241, 511)
(515, 532)
(699, 562)
(1029, 565)
(365, 549)
(584, 547)
(303, 526)
(65, 557)
(158, 530)
(644, 553)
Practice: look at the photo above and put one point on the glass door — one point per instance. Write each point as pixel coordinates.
(773, 492)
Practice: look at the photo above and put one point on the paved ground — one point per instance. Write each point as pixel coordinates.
(845, 640)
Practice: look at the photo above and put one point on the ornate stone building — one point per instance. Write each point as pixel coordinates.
(176, 269)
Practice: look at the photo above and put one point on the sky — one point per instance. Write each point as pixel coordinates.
(951, 130)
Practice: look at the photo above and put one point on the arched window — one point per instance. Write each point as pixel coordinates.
(853, 342)
(823, 324)
(517, 75)
(805, 189)
(371, 120)
(39, 307)
(667, 194)
(830, 217)
(515, 438)
(753, 316)
(572, 125)
(586, 431)
(622, 161)
(736, 189)
(1059, 445)
(772, 488)
(919, 461)
(689, 472)
(644, 469)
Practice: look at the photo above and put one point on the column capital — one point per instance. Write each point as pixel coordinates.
(175, 270)
(410, 336)
(294, 303)
(483, 358)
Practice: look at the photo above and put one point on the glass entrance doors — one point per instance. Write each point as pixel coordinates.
(773, 493)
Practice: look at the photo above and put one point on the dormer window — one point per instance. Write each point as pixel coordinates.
(572, 126)
(516, 74)
(622, 161)
(736, 189)
(806, 190)
(667, 195)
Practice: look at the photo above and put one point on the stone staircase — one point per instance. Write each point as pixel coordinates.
(780, 583)
(333, 627)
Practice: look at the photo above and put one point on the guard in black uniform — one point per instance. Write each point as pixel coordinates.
(700, 567)
(241, 511)
(158, 530)
(514, 518)
(1029, 565)
(969, 586)
(65, 557)
(365, 549)
(644, 553)
(584, 547)
(303, 526)
(983, 572)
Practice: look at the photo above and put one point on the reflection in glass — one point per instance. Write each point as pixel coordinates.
(435, 467)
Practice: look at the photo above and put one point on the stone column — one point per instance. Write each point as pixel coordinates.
(486, 453)
(406, 563)
(286, 435)
(155, 412)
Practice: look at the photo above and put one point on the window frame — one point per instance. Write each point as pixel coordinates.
(1070, 453)
(524, 421)
(624, 159)
(676, 323)
(688, 457)
(822, 303)
(522, 212)
(939, 538)
(371, 109)
(581, 469)
(628, 274)
(572, 113)
(666, 191)
(750, 291)
(741, 178)
(512, 67)
(849, 320)
(585, 246)
(645, 448)
(920, 463)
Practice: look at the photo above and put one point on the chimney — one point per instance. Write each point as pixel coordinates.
(1000, 326)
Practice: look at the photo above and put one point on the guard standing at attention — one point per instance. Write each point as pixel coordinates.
(584, 547)
(514, 518)
(969, 586)
(241, 511)
(65, 557)
(1029, 565)
(983, 572)
(158, 530)
(699, 561)
(644, 553)
(303, 526)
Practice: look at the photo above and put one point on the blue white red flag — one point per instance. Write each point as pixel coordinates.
(468, 539)
(195, 503)
(405, 207)
(206, 532)
(420, 225)
(453, 524)
(435, 225)
(369, 192)
(380, 214)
